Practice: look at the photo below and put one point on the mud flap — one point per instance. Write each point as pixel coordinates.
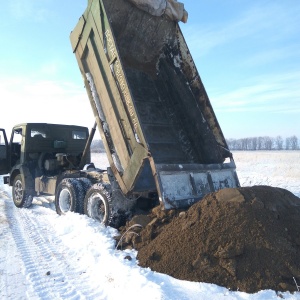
(183, 185)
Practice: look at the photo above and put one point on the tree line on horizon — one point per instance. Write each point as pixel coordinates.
(264, 143)
(250, 144)
(97, 146)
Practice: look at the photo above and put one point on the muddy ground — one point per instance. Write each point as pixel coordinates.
(245, 239)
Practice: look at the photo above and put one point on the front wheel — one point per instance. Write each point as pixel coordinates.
(20, 197)
(97, 203)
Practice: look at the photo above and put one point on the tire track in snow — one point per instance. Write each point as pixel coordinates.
(12, 281)
(50, 267)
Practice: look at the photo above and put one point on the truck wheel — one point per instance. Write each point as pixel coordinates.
(86, 184)
(97, 203)
(69, 196)
(20, 197)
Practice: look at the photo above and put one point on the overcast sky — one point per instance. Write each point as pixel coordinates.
(246, 52)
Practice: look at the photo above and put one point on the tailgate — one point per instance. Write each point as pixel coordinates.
(183, 185)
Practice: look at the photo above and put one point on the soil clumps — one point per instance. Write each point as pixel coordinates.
(245, 239)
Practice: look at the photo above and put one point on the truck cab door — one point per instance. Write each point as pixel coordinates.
(4, 153)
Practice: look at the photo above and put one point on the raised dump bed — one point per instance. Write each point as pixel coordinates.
(158, 126)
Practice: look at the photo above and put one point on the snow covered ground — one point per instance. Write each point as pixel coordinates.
(46, 256)
(274, 168)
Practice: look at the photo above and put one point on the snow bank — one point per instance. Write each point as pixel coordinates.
(46, 256)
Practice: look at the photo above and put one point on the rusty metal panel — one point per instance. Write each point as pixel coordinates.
(183, 185)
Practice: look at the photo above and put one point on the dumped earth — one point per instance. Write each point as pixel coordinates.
(245, 239)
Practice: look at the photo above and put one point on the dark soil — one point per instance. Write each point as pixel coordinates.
(245, 239)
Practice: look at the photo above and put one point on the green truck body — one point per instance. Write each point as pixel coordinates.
(155, 118)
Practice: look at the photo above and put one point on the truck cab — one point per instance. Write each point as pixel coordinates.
(38, 155)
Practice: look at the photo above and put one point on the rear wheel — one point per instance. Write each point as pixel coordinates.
(20, 197)
(97, 203)
(86, 184)
(69, 196)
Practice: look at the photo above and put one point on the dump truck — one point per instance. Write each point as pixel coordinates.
(161, 136)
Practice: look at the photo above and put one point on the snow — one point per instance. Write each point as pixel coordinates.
(273, 168)
(47, 256)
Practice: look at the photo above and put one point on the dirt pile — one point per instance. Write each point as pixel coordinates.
(245, 239)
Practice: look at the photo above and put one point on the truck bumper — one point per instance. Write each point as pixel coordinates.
(6, 179)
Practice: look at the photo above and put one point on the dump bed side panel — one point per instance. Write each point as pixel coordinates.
(94, 45)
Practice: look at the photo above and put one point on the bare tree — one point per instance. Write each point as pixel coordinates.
(260, 143)
(287, 143)
(279, 142)
(254, 143)
(245, 144)
(239, 144)
(268, 143)
(294, 142)
(230, 143)
(264, 143)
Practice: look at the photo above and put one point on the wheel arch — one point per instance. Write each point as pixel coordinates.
(13, 176)
(26, 176)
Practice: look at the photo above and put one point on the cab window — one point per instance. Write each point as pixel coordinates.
(17, 136)
(2, 139)
(79, 135)
(38, 133)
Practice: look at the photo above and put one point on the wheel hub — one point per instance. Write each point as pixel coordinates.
(65, 200)
(18, 191)
(97, 207)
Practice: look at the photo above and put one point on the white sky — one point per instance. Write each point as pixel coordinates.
(246, 52)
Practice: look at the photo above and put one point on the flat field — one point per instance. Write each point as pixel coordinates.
(274, 168)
